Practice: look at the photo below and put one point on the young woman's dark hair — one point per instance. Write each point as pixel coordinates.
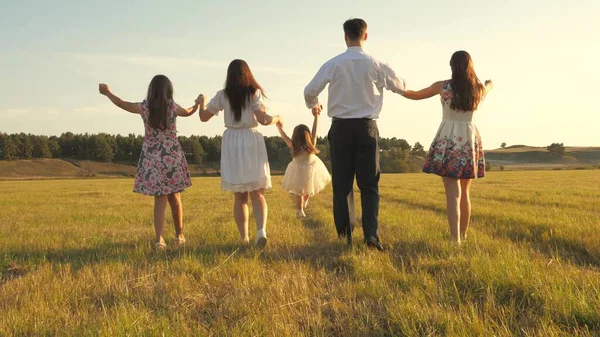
(160, 91)
(302, 141)
(240, 86)
(467, 91)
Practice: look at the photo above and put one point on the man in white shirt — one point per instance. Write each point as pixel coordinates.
(356, 82)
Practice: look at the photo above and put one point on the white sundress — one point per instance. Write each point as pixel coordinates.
(244, 161)
(306, 175)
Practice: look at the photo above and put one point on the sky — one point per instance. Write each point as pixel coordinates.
(543, 57)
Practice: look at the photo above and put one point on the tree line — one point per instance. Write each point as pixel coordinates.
(395, 153)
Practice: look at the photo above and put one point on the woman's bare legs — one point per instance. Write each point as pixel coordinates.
(453, 197)
(261, 211)
(465, 207)
(240, 213)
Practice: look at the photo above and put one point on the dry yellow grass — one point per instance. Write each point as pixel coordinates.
(76, 259)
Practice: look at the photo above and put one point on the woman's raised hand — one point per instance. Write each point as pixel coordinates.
(103, 89)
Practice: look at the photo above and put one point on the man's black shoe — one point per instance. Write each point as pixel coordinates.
(373, 243)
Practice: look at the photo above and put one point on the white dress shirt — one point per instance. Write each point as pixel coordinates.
(356, 81)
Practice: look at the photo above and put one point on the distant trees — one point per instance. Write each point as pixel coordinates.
(395, 153)
(503, 145)
(418, 150)
(556, 149)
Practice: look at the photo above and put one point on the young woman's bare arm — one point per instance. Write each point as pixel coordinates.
(265, 119)
(182, 112)
(434, 89)
(127, 106)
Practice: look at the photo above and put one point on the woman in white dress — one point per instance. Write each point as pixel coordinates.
(456, 153)
(244, 163)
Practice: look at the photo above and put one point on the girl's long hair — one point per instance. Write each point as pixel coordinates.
(467, 90)
(240, 86)
(160, 91)
(302, 141)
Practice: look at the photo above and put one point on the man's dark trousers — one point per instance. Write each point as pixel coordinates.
(354, 149)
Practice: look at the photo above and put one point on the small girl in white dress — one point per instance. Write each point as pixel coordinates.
(306, 175)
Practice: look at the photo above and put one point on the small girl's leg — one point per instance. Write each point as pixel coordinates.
(240, 214)
(306, 197)
(300, 207)
(177, 213)
(299, 203)
(160, 210)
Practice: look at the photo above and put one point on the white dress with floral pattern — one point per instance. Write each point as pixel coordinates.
(456, 151)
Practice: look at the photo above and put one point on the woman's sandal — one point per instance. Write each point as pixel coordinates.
(179, 240)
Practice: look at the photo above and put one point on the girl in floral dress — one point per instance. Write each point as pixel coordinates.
(244, 164)
(456, 153)
(306, 175)
(162, 170)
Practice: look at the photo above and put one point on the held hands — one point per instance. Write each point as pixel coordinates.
(489, 84)
(316, 111)
(103, 89)
(200, 100)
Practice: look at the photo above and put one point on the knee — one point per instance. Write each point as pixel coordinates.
(256, 195)
(241, 197)
(174, 198)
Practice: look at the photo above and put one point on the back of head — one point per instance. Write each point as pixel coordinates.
(240, 86)
(302, 141)
(160, 91)
(467, 91)
(355, 29)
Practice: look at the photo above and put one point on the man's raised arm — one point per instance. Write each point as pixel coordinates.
(391, 81)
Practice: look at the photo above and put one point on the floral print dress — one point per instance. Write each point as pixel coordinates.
(162, 168)
(457, 150)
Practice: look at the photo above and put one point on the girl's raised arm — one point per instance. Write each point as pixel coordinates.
(189, 111)
(432, 90)
(314, 129)
(283, 135)
(127, 106)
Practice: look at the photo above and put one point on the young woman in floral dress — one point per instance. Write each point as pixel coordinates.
(456, 153)
(162, 170)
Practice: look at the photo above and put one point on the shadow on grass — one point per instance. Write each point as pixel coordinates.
(320, 253)
(540, 237)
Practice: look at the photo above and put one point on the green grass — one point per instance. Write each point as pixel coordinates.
(76, 260)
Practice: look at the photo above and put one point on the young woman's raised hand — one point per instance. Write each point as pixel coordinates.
(103, 89)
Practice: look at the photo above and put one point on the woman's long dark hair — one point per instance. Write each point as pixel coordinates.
(240, 86)
(302, 141)
(160, 91)
(467, 91)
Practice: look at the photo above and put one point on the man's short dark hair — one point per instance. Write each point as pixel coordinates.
(355, 28)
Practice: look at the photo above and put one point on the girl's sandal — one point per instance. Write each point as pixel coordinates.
(160, 246)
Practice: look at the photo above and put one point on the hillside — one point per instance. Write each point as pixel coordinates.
(521, 156)
(59, 168)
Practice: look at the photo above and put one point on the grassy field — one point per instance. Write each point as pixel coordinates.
(76, 260)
